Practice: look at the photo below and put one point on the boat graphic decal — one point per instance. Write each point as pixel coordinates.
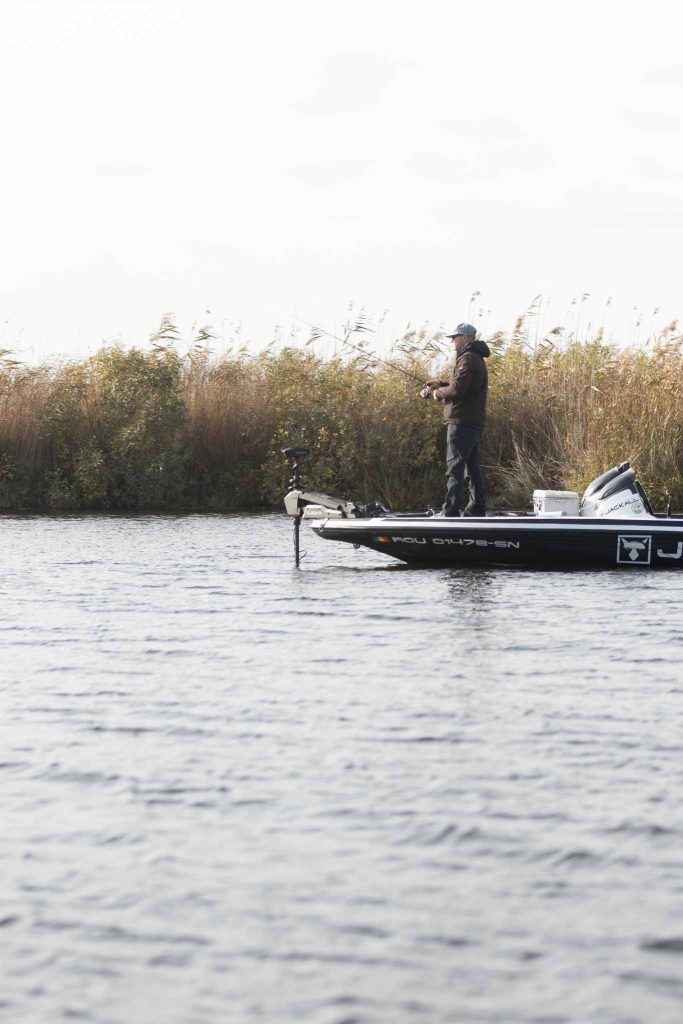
(634, 549)
(463, 542)
(671, 554)
(481, 542)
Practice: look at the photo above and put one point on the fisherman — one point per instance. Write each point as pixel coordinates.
(464, 411)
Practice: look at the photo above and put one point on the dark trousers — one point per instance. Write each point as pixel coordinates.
(462, 468)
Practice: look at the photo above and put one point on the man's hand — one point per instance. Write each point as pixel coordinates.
(432, 386)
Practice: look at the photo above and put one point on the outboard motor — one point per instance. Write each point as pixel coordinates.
(616, 494)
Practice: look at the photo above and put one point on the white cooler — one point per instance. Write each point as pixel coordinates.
(556, 503)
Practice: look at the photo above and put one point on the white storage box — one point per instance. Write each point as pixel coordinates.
(556, 503)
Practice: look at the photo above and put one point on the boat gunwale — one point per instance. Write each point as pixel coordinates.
(386, 524)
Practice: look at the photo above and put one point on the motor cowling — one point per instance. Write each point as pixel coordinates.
(616, 494)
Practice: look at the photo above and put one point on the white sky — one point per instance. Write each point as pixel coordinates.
(259, 159)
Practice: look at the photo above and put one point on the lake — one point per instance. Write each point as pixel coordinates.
(357, 792)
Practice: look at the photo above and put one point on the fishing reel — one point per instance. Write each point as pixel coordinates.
(426, 393)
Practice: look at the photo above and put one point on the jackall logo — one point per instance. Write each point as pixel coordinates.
(678, 553)
(634, 549)
(634, 506)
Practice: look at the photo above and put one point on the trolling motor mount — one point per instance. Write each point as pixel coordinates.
(300, 502)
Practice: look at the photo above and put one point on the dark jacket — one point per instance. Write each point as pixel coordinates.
(464, 398)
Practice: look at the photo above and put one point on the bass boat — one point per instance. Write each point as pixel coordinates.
(612, 525)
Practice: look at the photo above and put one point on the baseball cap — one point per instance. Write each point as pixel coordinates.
(467, 329)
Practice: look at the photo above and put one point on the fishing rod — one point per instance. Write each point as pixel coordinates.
(359, 348)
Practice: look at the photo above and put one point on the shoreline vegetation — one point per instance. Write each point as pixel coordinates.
(154, 429)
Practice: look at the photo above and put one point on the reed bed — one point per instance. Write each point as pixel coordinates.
(156, 429)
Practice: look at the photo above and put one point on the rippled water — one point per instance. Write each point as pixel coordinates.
(235, 792)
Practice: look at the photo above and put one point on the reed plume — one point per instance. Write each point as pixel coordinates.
(155, 429)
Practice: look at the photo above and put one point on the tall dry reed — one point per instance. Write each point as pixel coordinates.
(154, 429)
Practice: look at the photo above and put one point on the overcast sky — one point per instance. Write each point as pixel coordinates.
(265, 159)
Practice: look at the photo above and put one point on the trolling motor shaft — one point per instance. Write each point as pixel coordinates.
(297, 455)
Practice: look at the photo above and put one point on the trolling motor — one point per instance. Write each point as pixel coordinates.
(301, 503)
(297, 455)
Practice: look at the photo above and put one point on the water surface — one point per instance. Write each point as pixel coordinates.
(358, 792)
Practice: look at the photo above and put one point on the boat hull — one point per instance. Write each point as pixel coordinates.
(517, 540)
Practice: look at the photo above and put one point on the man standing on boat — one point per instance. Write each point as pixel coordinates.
(464, 398)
